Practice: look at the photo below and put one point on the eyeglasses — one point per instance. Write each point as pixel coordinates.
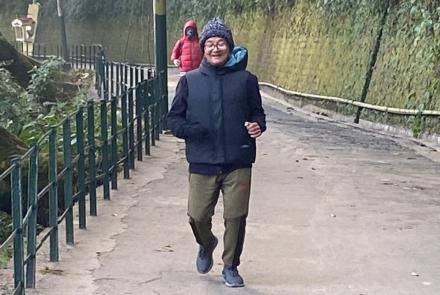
(220, 46)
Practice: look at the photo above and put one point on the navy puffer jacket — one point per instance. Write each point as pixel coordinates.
(210, 108)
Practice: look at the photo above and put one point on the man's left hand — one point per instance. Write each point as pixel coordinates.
(253, 129)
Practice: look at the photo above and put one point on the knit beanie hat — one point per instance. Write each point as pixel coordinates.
(216, 28)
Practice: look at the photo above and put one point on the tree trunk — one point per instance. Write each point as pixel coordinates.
(9, 145)
(18, 64)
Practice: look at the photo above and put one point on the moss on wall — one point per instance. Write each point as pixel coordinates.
(298, 50)
(295, 44)
(306, 49)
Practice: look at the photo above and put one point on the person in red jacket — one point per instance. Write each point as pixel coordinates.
(187, 54)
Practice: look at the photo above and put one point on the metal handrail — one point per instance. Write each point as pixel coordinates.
(138, 125)
(385, 109)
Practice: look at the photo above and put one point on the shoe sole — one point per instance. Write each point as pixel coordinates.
(212, 260)
(232, 285)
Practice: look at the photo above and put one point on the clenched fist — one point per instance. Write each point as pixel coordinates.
(253, 129)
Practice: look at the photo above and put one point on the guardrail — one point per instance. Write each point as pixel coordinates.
(367, 106)
(84, 150)
(80, 56)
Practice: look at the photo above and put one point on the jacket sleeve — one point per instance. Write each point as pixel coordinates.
(177, 50)
(254, 102)
(176, 118)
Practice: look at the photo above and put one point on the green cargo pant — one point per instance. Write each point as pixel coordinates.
(203, 195)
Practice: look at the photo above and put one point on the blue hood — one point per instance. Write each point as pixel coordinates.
(238, 59)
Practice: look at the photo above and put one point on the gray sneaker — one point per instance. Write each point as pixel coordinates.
(231, 277)
(204, 260)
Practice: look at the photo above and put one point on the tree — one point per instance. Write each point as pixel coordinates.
(16, 63)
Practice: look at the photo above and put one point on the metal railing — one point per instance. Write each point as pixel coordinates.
(80, 56)
(83, 151)
(391, 110)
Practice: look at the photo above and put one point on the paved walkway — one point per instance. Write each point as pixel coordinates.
(334, 210)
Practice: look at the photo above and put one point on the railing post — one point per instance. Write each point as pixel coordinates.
(132, 81)
(72, 53)
(131, 127)
(104, 150)
(87, 56)
(53, 196)
(84, 56)
(17, 222)
(161, 102)
(151, 98)
(80, 65)
(38, 50)
(114, 143)
(98, 75)
(152, 108)
(92, 56)
(76, 55)
(157, 108)
(103, 82)
(164, 104)
(126, 84)
(139, 122)
(136, 75)
(111, 79)
(108, 83)
(142, 73)
(32, 223)
(125, 146)
(91, 156)
(68, 179)
(81, 168)
(118, 79)
(146, 105)
(121, 78)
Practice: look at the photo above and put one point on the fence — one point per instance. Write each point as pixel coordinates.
(80, 56)
(84, 150)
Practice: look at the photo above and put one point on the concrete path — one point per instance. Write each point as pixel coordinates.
(334, 210)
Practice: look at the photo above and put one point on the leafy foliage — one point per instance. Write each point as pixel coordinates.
(54, 112)
(30, 114)
(13, 103)
(5, 231)
(44, 80)
(343, 7)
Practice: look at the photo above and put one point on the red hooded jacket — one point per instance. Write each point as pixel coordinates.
(188, 51)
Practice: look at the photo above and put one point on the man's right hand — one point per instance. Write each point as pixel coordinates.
(176, 62)
(253, 129)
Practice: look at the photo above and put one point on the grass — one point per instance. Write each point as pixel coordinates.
(5, 256)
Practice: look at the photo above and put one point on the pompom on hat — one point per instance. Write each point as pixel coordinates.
(216, 28)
